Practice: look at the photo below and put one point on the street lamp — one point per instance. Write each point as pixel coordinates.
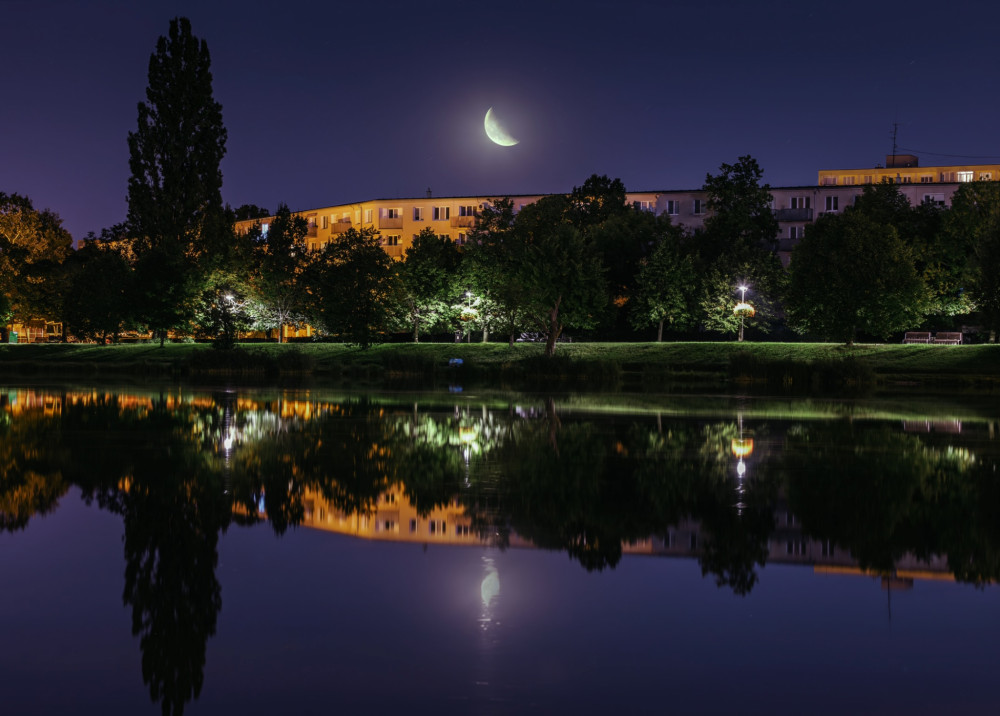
(468, 300)
(743, 309)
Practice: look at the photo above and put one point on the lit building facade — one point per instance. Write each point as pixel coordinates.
(398, 221)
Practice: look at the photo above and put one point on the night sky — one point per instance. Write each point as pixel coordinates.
(338, 102)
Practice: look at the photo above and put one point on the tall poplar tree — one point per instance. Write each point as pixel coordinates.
(175, 211)
(175, 187)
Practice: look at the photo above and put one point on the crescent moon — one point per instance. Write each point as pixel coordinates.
(495, 132)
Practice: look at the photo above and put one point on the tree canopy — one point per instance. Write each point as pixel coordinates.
(851, 273)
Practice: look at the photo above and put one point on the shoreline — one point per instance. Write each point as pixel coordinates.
(799, 367)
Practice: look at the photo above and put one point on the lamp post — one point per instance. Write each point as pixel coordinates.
(468, 300)
(743, 295)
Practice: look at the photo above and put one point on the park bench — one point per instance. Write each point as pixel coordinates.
(917, 337)
(952, 339)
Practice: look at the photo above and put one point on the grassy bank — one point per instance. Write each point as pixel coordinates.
(790, 365)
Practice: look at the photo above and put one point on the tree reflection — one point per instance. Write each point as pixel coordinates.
(881, 495)
(31, 481)
(153, 471)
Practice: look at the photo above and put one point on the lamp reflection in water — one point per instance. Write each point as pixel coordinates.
(741, 447)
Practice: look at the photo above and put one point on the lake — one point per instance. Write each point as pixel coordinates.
(185, 550)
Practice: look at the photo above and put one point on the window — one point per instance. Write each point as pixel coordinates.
(796, 232)
(947, 176)
(462, 240)
(467, 210)
(698, 206)
(673, 207)
(326, 221)
(442, 213)
(927, 180)
(263, 230)
(645, 205)
(462, 530)
(833, 203)
(413, 525)
(848, 181)
(986, 176)
(964, 176)
(829, 181)
(391, 240)
(934, 199)
(868, 179)
(392, 213)
(418, 213)
(368, 216)
(800, 202)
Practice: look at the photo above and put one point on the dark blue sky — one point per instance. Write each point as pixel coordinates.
(337, 102)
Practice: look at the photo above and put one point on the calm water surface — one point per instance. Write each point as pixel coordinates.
(186, 551)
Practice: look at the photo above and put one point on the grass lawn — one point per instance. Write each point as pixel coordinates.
(896, 360)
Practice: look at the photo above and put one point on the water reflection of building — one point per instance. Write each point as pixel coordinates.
(394, 518)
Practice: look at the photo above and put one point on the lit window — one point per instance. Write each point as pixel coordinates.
(964, 176)
(264, 228)
(645, 205)
(986, 176)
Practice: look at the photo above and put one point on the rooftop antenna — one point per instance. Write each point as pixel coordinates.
(895, 130)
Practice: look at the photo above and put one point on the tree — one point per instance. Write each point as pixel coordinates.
(741, 217)
(942, 259)
(763, 276)
(560, 270)
(281, 260)
(850, 273)
(97, 302)
(662, 286)
(490, 265)
(972, 226)
(352, 280)
(428, 279)
(33, 245)
(175, 211)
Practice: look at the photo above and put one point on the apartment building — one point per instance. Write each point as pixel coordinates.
(398, 221)
(906, 169)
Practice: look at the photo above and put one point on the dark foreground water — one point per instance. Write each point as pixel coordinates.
(278, 552)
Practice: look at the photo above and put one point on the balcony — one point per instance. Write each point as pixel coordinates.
(311, 231)
(463, 222)
(794, 214)
(394, 251)
(385, 222)
(339, 227)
